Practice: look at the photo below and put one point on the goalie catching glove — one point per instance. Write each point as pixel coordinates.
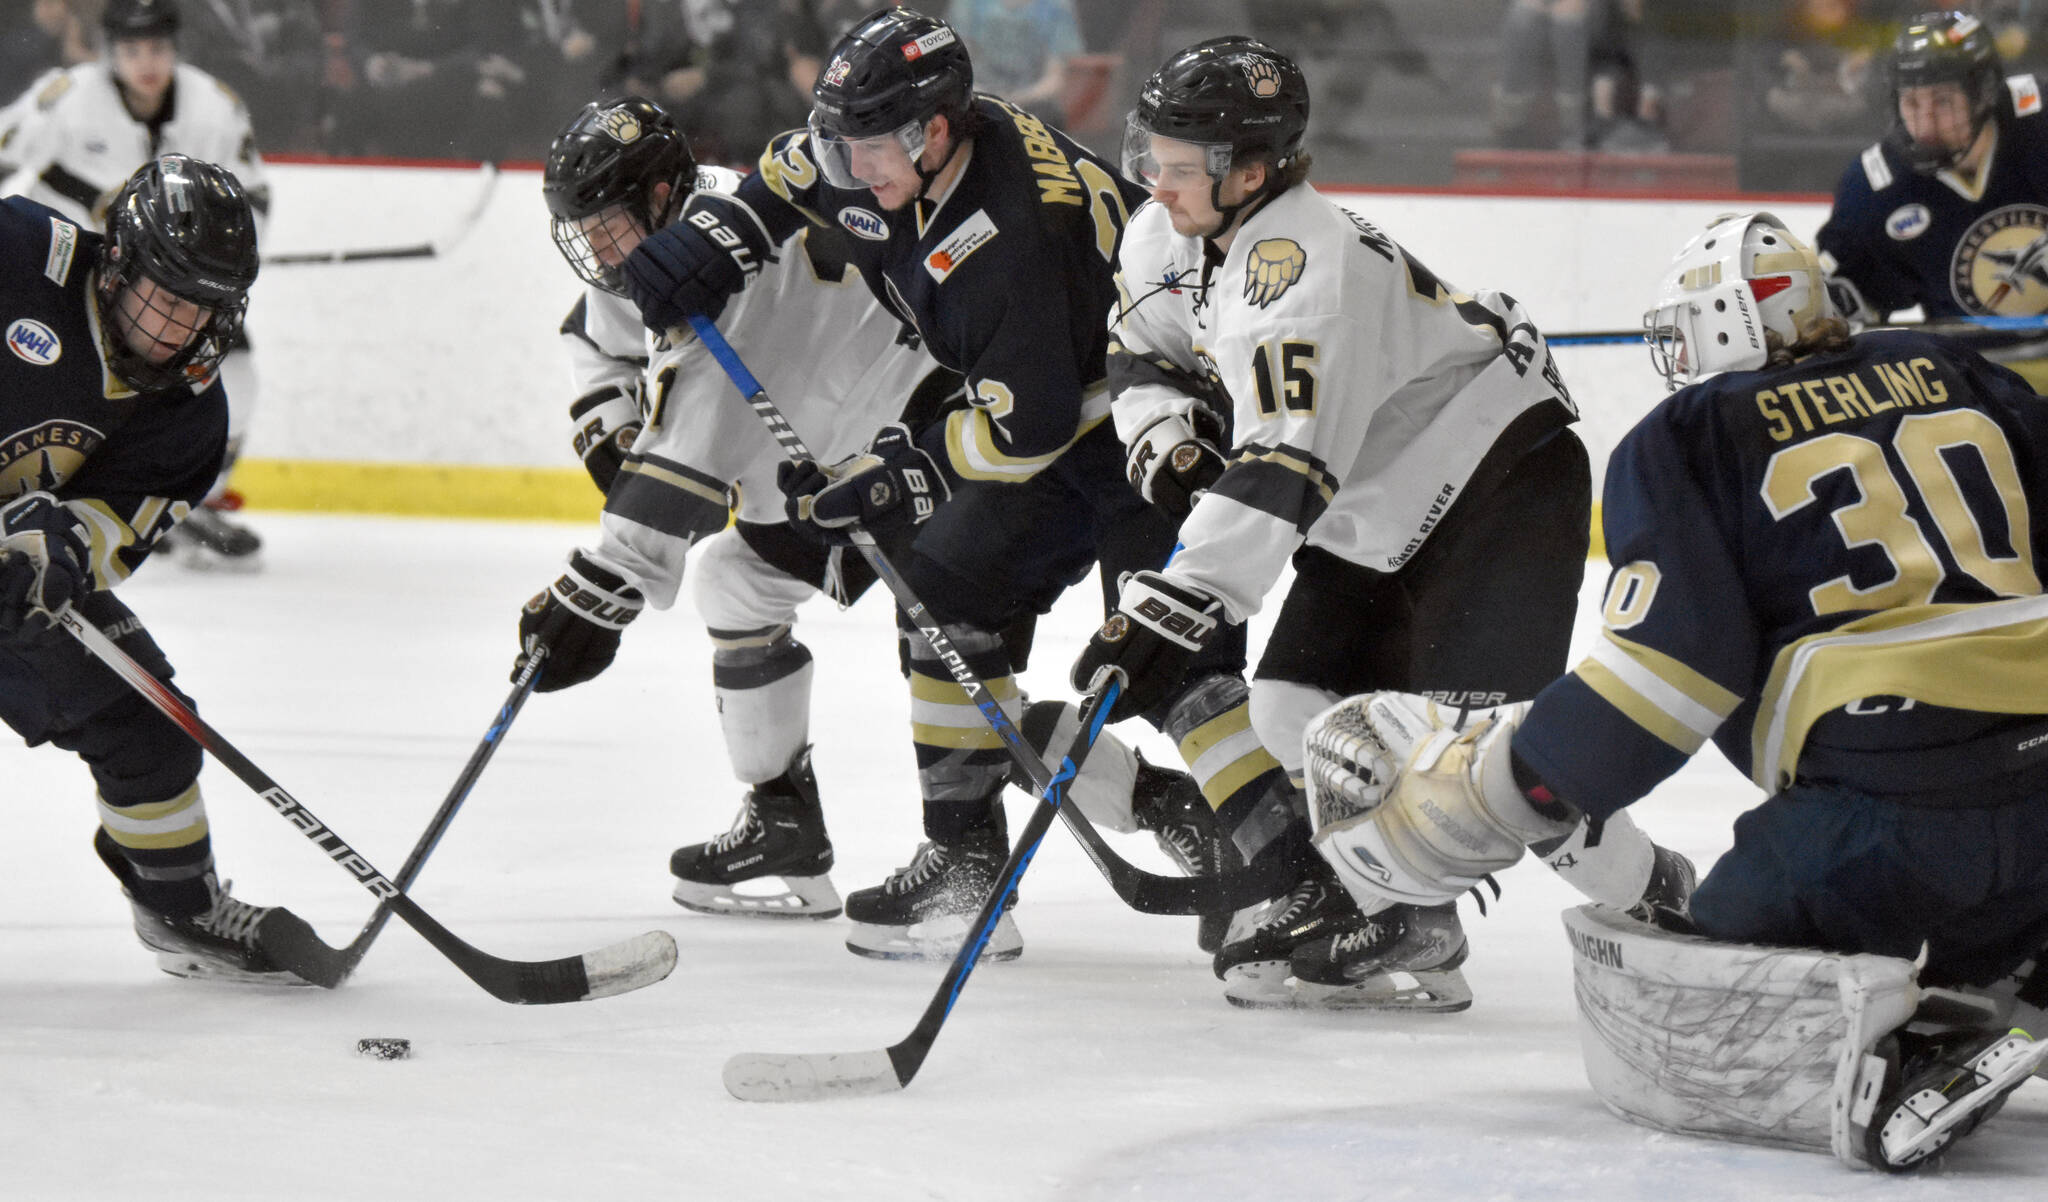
(893, 483)
(576, 623)
(1408, 807)
(1150, 641)
(1176, 458)
(44, 555)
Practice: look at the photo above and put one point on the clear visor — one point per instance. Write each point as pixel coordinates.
(854, 163)
(1158, 161)
(597, 245)
(1667, 330)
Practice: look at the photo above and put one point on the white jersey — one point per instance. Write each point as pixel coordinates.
(70, 143)
(1363, 390)
(829, 356)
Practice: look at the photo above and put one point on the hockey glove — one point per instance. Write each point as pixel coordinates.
(893, 484)
(578, 620)
(695, 265)
(606, 422)
(1176, 459)
(44, 560)
(1155, 633)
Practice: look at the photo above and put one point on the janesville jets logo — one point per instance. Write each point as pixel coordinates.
(1272, 268)
(864, 224)
(34, 342)
(2001, 266)
(44, 456)
(622, 124)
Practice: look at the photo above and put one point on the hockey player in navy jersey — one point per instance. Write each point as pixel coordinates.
(113, 422)
(1827, 561)
(1300, 388)
(1949, 211)
(991, 236)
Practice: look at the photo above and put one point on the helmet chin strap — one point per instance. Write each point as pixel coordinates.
(925, 178)
(1257, 200)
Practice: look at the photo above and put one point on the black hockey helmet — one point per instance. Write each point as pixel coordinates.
(1937, 48)
(139, 19)
(614, 153)
(1233, 93)
(893, 71)
(186, 227)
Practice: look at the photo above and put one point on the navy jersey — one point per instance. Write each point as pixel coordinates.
(1832, 570)
(129, 464)
(1955, 247)
(1008, 277)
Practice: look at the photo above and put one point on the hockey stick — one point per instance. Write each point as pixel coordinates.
(810, 1076)
(417, 250)
(1145, 892)
(296, 947)
(618, 968)
(1950, 326)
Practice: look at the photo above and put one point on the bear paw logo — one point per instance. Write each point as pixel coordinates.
(1272, 268)
(1264, 78)
(622, 125)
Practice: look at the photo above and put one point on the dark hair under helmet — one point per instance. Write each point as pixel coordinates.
(1944, 47)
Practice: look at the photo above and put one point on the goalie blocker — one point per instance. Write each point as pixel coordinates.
(1791, 1047)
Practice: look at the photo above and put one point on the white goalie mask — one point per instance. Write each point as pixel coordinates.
(1744, 277)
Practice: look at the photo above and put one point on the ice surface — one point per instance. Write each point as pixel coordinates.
(360, 671)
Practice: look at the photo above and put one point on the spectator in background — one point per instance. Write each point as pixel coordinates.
(1020, 50)
(1544, 42)
(1625, 99)
(38, 36)
(270, 53)
(1341, 46)
(1820, 74)
(728, 70)
(435, 79)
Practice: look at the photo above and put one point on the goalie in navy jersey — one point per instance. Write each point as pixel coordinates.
(1949, 211)
(113, 424)
(1827, 561)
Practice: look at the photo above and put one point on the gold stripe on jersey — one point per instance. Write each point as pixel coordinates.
(1987, 657)
(1286, 482)
(1224, 754)
(942, 715)
(179, 822)
(971, 445)
(110, 534)
(789, 170)
(1656, 692)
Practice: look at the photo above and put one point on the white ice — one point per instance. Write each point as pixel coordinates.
(361, 669)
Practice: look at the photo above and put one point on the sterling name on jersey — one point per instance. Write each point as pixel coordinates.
(1954, 246)
(1364, 390)
(74, 143)
(1005, 276)
(130, 465)
(828, 355)
(1833, 571)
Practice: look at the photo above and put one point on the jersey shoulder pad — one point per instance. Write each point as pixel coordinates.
(2025, 90)
(1876, 171)
(55, 90)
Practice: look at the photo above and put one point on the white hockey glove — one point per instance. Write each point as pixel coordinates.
(1408, 808)
(605, 423)
(1175, 459)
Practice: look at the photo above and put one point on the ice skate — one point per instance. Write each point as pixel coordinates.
(774, 860)
(1170, 805)
(208, 541)
(1403, 958)
(1946, 1086)
(221, 944)
(1254, 967)
(924, 910)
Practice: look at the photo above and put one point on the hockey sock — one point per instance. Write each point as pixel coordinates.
(962, 763)
(160, 850)
(1244, 784)
(762, 679)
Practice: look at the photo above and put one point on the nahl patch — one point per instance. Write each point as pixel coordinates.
(863, 223)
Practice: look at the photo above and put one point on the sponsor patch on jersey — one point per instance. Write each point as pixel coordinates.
(33, 342)
(63, 246)
(2001, 265)
(2026, 94)
(863, 223)
(1273, 267)
(1908, 222)
(967, 237)
(1876, 170)
(942, 36)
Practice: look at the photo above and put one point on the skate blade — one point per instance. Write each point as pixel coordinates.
(1258, 985)
(193, 967)
(1906, 1141)
(811, 897)
(934, 939)
(1438, 991)
(206, 560)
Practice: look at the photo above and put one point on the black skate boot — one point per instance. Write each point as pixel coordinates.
(1667, 899)
(778, 838)
(1170, 805)
(923, 911)
(1254, 968)
(208, 541)
(1402, 958)
(1944, 1087)
(220, 943)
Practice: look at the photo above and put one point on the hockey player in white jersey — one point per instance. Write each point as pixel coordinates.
(675, 450)
(1300, 387)
(77, 138)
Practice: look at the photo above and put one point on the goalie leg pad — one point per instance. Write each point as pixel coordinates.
(1734, 1041)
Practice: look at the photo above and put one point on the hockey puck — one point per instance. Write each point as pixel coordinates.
(384, 1049)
